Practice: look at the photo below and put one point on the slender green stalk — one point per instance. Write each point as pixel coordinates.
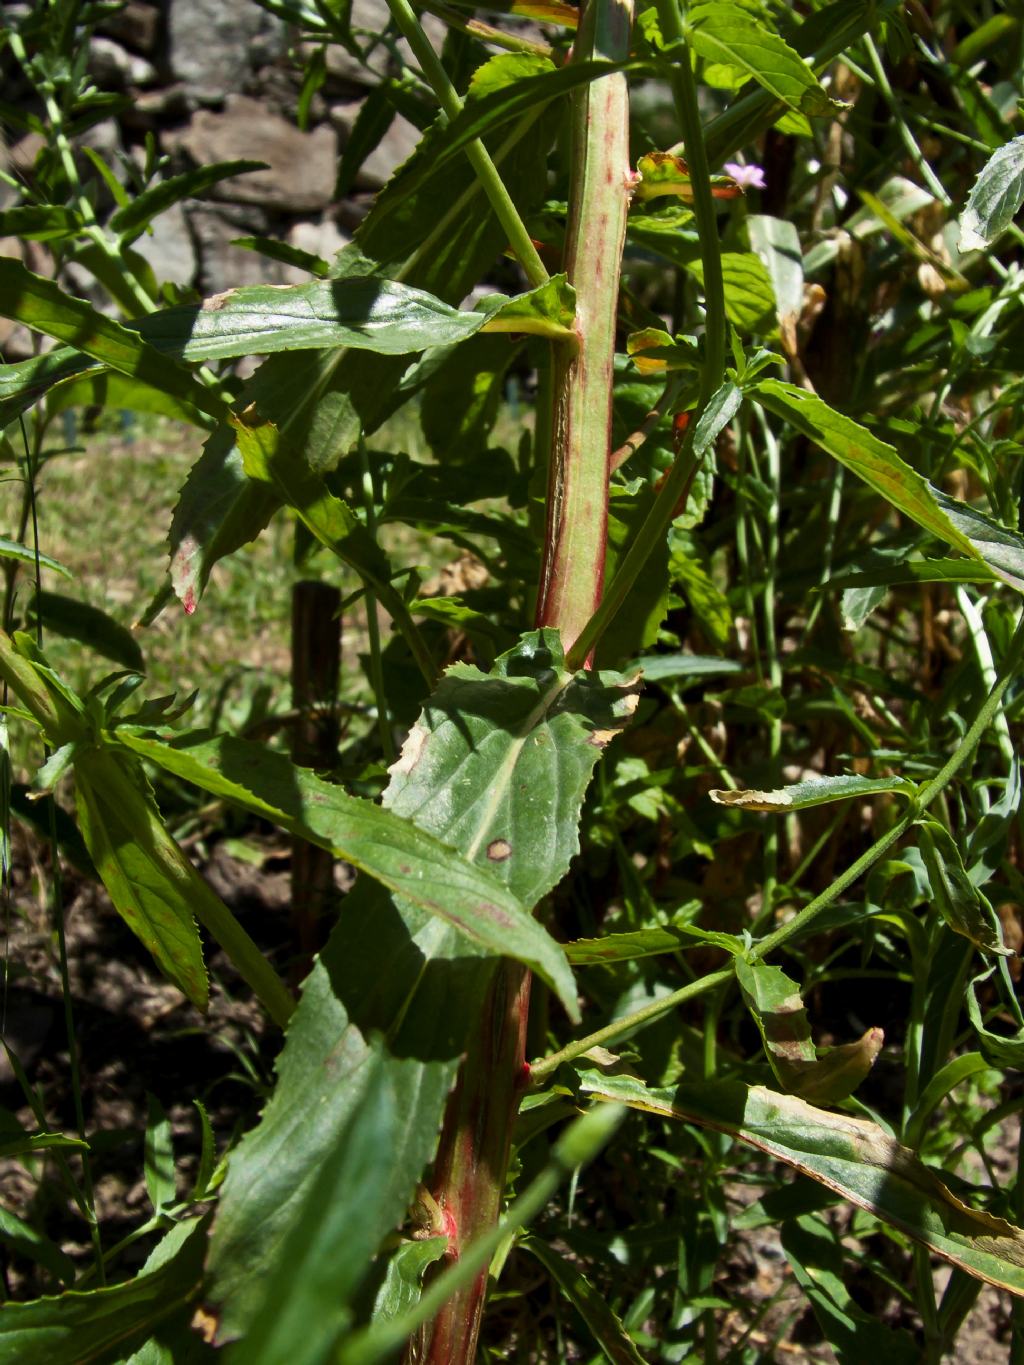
(906, 136)
(29, 464)
(660, 517)
(387, 739)
(479, 158)
(612, 1033)
(800, 922)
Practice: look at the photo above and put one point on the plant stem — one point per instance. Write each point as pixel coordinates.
(479, 158)
(800, 922)
(572, 575)
(471, 1168)
(658, 520)
(611, 1033)
(472, 1161)
(387, 739)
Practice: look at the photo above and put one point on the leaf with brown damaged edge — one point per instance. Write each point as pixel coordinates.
(852, 1156)
(775, 1003)
(815, 791)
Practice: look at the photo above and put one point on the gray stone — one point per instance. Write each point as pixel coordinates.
(302, 165)
(115, 68)
(136, 24)
(396, 146)
(369, 17)
(104, 138)
(169, 249)
(323, 239)
(216, 45)
(221, 265)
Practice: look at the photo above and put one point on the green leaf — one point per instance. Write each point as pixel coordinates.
(89, 626)
(42, 305)
(851, 1156)
(1002, 1051)
(147, 876)
(158, 1156)
(17, 1142)
(727, 31)
(528, 735)
(76, 1327)
(775, 1004)
(547, 311)
(877, 463)
(25, 1240)
(102, 388)
(964, 908)
(663, 938)
(403, 1280)
(914, 571)
(10, 549)
(749, 297)
(821, 1271)
(136, 216)
(362, 313)
(218, 510)
(26, 381)
(815, 791)
(39, 222)
(995, 199)
(602, 1323)
(776, 243)
(289, 255)
(406, 859)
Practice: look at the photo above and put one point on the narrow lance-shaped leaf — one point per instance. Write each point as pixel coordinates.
(45, 307)
(662, 938)
(774, 1001)
(129, 848)
(528, 736)
(878, 464)
(1001, 1050)
(107, 1323)
(964, 908)
(851, 1156)
(814, 791)
(362, 313)
(135, 215)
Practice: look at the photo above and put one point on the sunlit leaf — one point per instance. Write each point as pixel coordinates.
(878, 464)
(995, 199)
(852, 1156)
(730, 32)
(136, 215)
(528, 735)
(814, 791)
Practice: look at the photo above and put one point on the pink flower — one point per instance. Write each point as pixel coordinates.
(747, 177)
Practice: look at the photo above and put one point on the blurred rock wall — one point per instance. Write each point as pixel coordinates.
(215, 80)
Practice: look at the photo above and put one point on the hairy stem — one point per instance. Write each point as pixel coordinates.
(472, 1163)
(573, 572)
(684, 93)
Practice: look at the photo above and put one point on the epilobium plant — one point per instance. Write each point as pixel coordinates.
(750, 624)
